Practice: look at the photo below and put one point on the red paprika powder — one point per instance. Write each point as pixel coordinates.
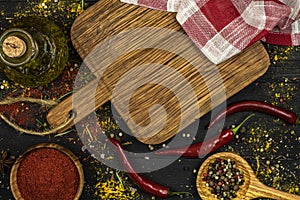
(47, 173)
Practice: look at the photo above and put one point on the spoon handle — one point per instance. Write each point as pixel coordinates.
(260, 190)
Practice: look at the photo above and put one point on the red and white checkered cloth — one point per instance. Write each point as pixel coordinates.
(223, 28)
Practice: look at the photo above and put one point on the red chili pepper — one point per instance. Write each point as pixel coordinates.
(199, 149)
(145, 184)
(260, 106)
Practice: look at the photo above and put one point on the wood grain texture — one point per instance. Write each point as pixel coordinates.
(128, 47)
(252, 187)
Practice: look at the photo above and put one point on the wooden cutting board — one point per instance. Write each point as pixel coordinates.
(138, 68)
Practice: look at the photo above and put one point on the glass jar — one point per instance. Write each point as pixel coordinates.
(33, 51)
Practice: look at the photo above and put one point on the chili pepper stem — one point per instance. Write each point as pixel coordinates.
(235, 130)
(119, 179)
(82, 4)
(171, 193)
(297, 122)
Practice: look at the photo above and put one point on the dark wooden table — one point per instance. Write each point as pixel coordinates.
(271, 146)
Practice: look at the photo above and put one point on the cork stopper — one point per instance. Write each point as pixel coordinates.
(13, 47)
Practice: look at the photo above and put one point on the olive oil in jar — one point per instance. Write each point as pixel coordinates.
(33, 51)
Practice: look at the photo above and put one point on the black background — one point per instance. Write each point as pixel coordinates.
(282, 78)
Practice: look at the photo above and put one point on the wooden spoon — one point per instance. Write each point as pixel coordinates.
(252, 187)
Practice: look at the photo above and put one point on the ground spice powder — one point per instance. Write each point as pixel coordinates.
(47, 173)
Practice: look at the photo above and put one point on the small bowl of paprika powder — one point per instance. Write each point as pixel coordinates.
(47, 171)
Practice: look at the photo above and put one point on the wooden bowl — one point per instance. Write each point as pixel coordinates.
(13, 175)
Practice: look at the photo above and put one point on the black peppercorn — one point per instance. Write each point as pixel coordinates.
(223, 178)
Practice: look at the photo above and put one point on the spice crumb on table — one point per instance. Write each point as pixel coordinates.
(272, 158)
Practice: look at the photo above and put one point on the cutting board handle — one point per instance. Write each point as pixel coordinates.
(86, 102)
